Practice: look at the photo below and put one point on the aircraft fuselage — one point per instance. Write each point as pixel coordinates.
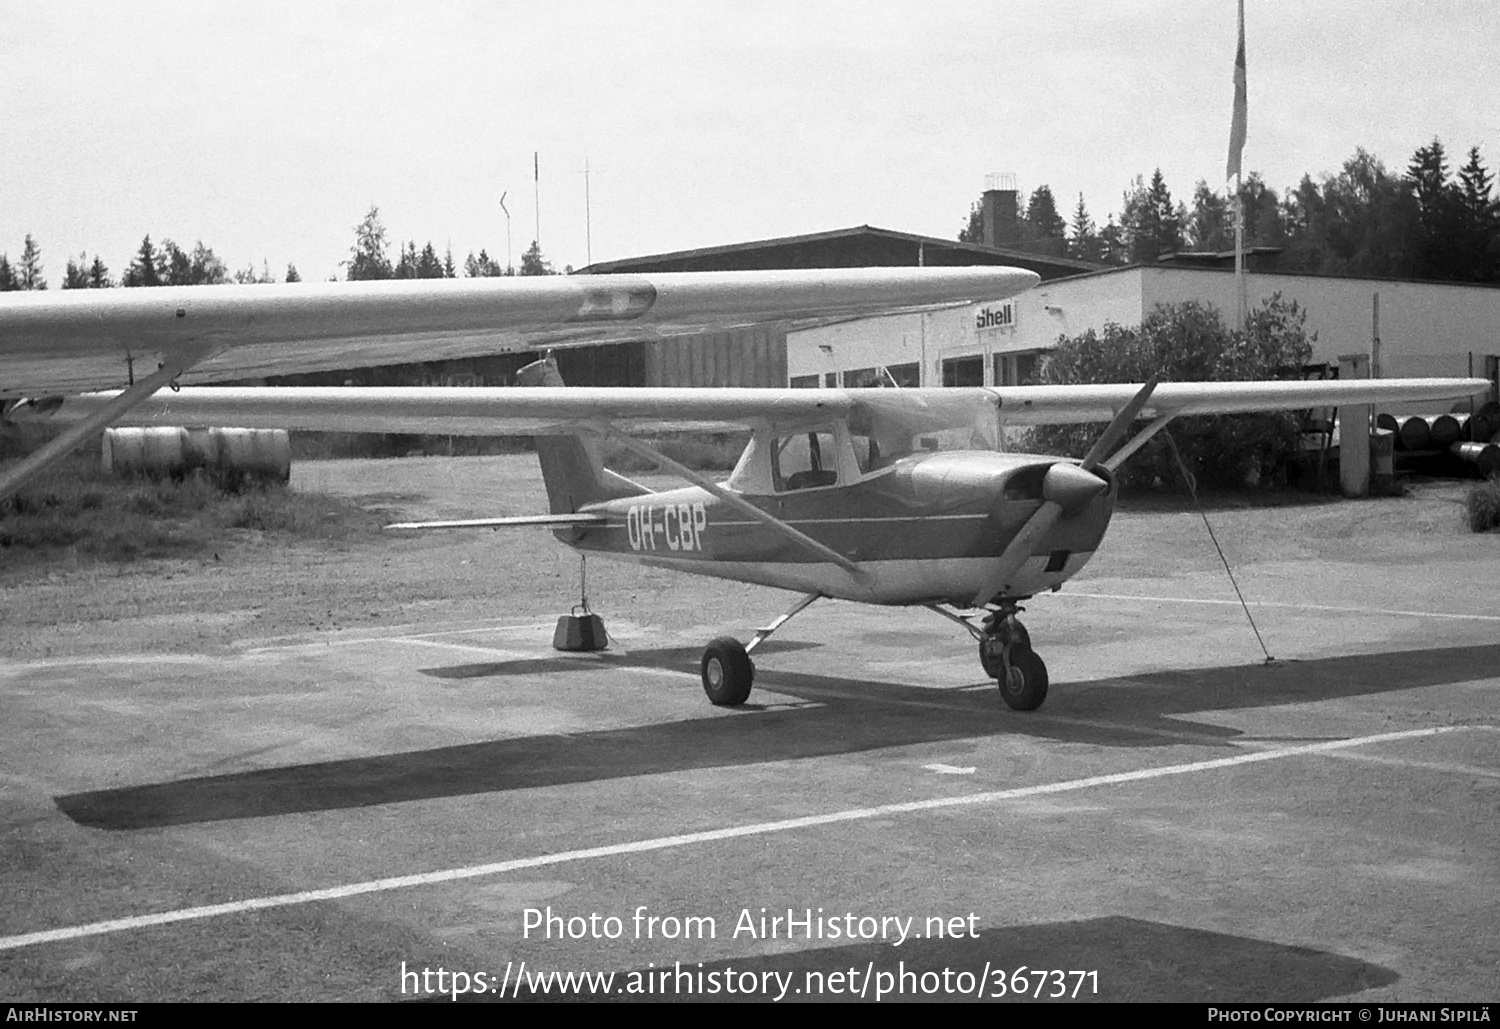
(926, 529)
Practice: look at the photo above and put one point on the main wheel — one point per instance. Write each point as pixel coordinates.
(727, 672)
(1025, 687)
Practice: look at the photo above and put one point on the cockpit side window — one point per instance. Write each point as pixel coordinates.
(803, 460)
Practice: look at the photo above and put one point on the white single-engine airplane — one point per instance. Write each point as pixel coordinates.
(893, 497)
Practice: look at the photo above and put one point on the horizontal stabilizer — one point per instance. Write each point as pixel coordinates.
(557, 520)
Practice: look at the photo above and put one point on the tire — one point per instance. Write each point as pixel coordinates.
(990, 662)
(727, 672)
(1026, 687)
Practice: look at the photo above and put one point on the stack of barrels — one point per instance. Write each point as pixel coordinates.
(1471, 438)
(262, 454)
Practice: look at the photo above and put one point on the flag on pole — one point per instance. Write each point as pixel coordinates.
(1237, 126)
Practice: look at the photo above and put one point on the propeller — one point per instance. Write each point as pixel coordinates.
(1066, 488)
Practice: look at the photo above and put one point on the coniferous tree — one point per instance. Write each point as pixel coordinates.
(1044, 229)
(200, 267)
(367, 259)
(29, 271)
(291, 273)
(99, 274)
(1151, 224)
(148, 268)
(8, 280)
(1112, 248)
(532, 262)
(1480, 233)
(77, 274)
(429, 266)
(1084, 243)
(482, 266)
(1440, 207)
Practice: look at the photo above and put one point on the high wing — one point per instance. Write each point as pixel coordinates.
(545, 410)
(1055, 405)
(65, 342)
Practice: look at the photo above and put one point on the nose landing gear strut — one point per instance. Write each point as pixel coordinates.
(1006, 654)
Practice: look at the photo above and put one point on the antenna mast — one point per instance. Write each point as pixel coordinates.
(509, 268)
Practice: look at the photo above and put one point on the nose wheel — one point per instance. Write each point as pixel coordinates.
(1023, 686)
(1006, 655)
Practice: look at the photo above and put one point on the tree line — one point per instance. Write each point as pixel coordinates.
(370, 258)
(1426, 223)
(152, 265)
(168, 264)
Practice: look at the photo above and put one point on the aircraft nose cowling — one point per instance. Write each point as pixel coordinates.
(1070, 487)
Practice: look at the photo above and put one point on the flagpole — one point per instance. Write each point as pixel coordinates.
(1233, 167)
(1239, 252)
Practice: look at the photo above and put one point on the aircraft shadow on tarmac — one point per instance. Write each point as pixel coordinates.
(845, 716)
(1135, 960)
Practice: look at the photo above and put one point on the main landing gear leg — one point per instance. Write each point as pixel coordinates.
(1006, 654)
(728, 672)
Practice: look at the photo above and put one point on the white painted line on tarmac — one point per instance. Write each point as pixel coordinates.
(1294, 607)
(1432, 766)
(355, 641)
(7, 667)
(693, 839)
(467, 648)
(942, 769)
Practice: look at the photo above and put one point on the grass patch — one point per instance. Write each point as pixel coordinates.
(77, 510)
(1482, 506)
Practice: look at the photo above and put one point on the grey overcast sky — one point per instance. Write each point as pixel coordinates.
(267, 129)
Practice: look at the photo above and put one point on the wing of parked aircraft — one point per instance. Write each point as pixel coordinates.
(544, 410)
(54, 343)
(59, 344)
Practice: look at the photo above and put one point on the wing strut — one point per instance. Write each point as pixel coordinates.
(735, 501)
(39, 459)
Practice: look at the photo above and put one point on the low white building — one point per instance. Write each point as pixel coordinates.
(1426, 328)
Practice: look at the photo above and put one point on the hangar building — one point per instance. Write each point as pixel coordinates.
(1425, 328)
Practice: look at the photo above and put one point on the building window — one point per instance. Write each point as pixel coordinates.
(963, 371)
(830, 380)
(907, 376)
(1017, 369)
(804, 382)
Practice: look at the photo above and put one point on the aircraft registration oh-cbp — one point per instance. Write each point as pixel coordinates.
(879, 496)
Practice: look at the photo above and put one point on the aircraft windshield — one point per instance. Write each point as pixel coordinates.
(890, 424)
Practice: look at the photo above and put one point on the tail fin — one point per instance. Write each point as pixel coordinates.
(573, 466)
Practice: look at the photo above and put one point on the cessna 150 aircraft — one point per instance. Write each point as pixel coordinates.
(895, 497)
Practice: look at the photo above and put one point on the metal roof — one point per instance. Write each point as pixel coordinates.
(851, 247)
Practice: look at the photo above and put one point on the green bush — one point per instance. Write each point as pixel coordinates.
(1482, 506)
(1189, 342)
